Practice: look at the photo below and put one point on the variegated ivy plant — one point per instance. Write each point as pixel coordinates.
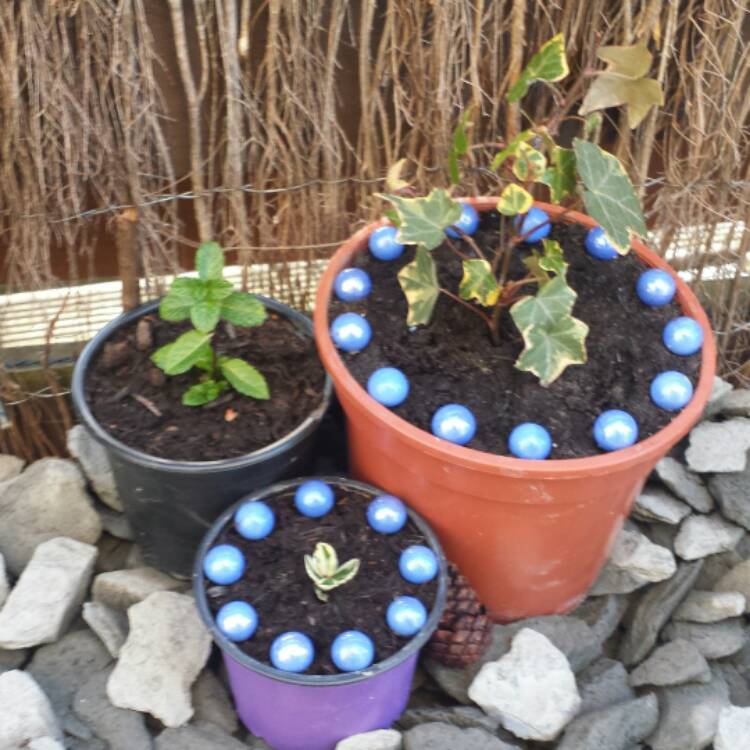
(325, 572)
(553, 337)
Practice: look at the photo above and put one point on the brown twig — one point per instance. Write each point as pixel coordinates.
(147, 403)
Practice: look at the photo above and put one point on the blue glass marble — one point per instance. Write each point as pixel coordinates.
(224, 564)
(614, 430)
(683, 336)
(388, 386)
(418, 564)
(384, 245)
(406, 616)
(254, 520)
(314, 498)
(531, 441)
(352, 284)
(467, 222)
(655, 287)
(536, 222)
(237, 620)
(598, 246)
(671, 390)
(352, 650)
(351, 332)
(386, 514)
(292, 652)
(454, 423)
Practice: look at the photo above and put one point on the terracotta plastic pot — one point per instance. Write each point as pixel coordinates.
(531, 536)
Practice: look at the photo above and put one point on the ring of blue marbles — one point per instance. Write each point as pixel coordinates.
(388, 386)
(671, 390)
(530, 441)
(292, 652)
(655, 287)
(455, 423)
(384, 245)
(352, 650)
(224, 564)
(254, 520)
(314, 498)
(535, 224)
(386, 514)
(598, 245)
(615, 429)
(351, 332)
(418, 564)
(468, 222)
(406, 616)
(683, 336)
(352, 284)
(237, 620)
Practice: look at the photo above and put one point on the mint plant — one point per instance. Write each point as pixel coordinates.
(205, 301)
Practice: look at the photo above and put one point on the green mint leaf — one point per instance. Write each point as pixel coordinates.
(514, 200)
(548, 64)
(460, 145)
(243, 377)
(560, 178)
(209, 261)
(175, 308)
(511, 149)
(423, 221)
(419, 283)
(183, 353)
(205, 315)
(161, 356)
(479, 283)
(188, 287)
(203, 393)
(529, 164)
(218, 289)
(242, 309)
(552, 302)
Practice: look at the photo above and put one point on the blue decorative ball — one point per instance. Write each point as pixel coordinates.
(614, 430)
(254, 520)
(418, 564)
(655, 287)
(467, 222)
(683, 336)
(406, 616)
(386, 514)
(384, 245)
(598, 246)
(536, 223)
(314, 498)
(292, 652)
(224, 564)
(352, 284)
(237, 620)
(671, 390)
(529, 440)
(351, 332)
(454, 423)
(388, 386)
(352, 650)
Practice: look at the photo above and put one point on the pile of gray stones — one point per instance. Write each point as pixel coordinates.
(98, 650)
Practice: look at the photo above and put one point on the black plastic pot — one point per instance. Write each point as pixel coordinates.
(171, 504)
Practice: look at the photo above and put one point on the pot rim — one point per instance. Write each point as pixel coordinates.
(560, 468)
(231, 649)
(133, 455)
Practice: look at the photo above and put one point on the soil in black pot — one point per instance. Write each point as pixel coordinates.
(276, 583)
(140, 406)
(453, 360)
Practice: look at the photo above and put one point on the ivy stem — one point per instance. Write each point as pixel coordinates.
(452, 245)
(470, 240)
(468, 305)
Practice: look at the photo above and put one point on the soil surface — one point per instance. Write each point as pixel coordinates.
(140, 406)
(277, 585)
(452, 360)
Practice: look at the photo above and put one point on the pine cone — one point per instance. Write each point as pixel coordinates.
(465, 630)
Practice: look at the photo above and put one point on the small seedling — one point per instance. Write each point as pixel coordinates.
(326, 573)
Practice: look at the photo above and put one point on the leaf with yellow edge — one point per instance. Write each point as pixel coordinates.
(545, 266)
(419, 283)
(511, 149)
(423, 220)
(529, 164)
(548, 64)
(560, 178)
(479, 283)
(460, 145)
(514, 200)
(393, 181)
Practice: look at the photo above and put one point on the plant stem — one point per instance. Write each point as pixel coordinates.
(471, 241)
(468, 305)
(454, 248)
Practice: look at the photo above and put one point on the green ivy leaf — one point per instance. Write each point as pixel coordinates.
(609, 196)
(544, 267)
(242, 309)
(218, 289)
(423, 221)
(205, 315)
(511, 149)
(552, 302)
(419, 283)
(560, 178)
(209, 261)
(460, 145)
(183, 353)
(243, 377)
(479, 283)
(514, 200)
(548, 64)
(529, 164)
(203, 393)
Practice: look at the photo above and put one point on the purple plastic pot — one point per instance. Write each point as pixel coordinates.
(314, 712)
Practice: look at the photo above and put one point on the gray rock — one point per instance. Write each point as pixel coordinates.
(736, 404)
(743, 548)
(45, 743)
(733, 728)
(657, 504)
(710, 606)
(602, 614)
(75, 743)
(602, 684)
(737, 579)
(4, 585)
(197, 738)
(686, 485)
(715, 567)
(25, 712)
(120, 589)
(720, 389)
(653, 609)
(715, 640)
(48, 500)
(48, 594)
(166, 649)
(463, 717)
(438, 736)
(12, 658)
(95, 465)
(739, 689)
(10, 467)
(701, 536)
(732, 492)
(719, 446)
(212, 704)
(674, 663)
(116, 524)
(380, 739)
(109, 624)
(532, 689)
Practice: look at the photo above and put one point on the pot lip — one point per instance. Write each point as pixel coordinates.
(653, 447)
(133, 455)
(230, 649)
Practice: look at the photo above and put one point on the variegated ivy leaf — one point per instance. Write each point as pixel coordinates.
(548, 64)
(479, 282)
(511, 149)
(544, 267)
(460, 145)
(393, 181)
(552, 302)
(560, 177)
(343, 574)
(325, 572)
(419, 283)
(529, 164)
(423, 221)
(609, 196)
(514, 200)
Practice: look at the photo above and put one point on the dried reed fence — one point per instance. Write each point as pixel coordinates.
(274, 121)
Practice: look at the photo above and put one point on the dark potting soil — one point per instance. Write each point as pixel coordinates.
(140, 406)
(276, 583)
(452, 360)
